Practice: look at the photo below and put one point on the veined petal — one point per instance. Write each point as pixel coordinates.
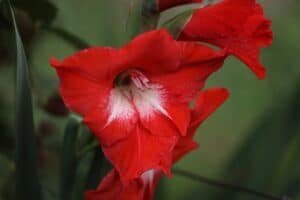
(193, 54)
(206, 103)
(139, 152)
(180, 87)
(113, 121)
(80, 94)
(237, 25)
(86, 78)
(179, 114)
(154, 52)
(197, 63)
(159, 125)
(98, 64)
(156, 114)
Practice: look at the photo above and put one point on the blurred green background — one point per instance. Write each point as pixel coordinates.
(252, 140)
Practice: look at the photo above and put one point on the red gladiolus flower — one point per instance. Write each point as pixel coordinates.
(143, 187)
(136, 99)
(166, 4)
(238, 25)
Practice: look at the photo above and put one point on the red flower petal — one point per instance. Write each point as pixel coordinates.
(165, 4)
(160, 125)
(206, 103)
(111, 123)
(139, 152)
(84, 80)
(197, 63)
(237, 25)
(94, 64)
(111, 187)
(80, 94)
(154, 52)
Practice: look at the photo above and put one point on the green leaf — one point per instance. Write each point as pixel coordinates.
(134, 19)
(98, 169)
(68, 160)
(177, 23)
(27, 181)
(94, 173)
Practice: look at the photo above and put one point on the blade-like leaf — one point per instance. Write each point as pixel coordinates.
(94, 173)
(92, 167)
(177, 23)
(27, 181)
(68, 160)
(134, 21)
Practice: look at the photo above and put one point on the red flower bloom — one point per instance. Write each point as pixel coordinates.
(143, 187)
(238, 25)
(166, 4)
(136, 99)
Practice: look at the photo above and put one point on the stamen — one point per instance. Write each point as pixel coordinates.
(131, 76)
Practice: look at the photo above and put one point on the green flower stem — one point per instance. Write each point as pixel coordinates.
(69, 37)
(224, 185)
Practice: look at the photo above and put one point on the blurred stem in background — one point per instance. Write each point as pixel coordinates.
(70, 38)
(221, 184)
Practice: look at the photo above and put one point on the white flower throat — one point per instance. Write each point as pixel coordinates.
(134, 94)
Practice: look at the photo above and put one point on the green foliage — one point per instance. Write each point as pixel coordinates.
(27, 181)
(176, 24)
(69, 160)
(95, 173)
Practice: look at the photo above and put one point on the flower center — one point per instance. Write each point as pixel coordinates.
(122, 80)
(131, 80)
(133, 93)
